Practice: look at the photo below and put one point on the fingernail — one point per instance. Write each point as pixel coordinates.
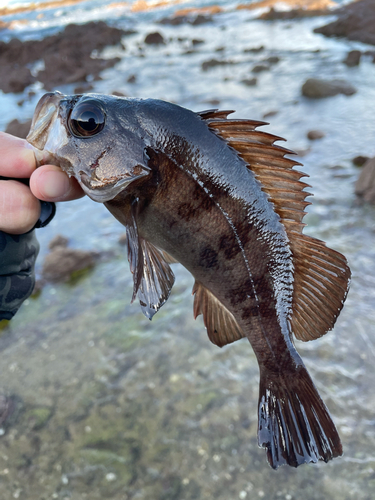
(55, 185)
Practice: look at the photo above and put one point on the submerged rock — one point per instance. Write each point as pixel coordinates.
(365, 185)
(259, 68)
(313, 135)
(317, 88)
(356, 21)
(353, 58)
(215, 62)
(64, 263)
(250, 82)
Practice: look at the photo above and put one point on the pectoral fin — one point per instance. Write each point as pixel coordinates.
(222, 328)
(152, 276)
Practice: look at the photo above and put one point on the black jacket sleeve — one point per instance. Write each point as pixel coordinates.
(18, 254)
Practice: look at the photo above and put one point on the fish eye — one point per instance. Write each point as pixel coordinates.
(86, 119)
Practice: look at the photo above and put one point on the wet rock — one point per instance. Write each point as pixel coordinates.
(58, 241)
(19, 129)
(215, 62)
(197, 41)
(254, 50)
(271, 113)
(355, 21)
(14, 78)
(316, 88)
(65, 61)
(154, 39)
(250, 82)
(314, 135)
(132, 79)
(273, 59)
(194, 16)
(365, 185)
(259, 68)
(64, 263)
(274, 14)
(360, 160)
(353, 58)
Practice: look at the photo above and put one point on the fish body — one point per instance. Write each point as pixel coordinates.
(219, 197)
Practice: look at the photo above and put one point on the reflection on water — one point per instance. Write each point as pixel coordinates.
(104, 404)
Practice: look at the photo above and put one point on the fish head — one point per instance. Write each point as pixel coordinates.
(95, 138)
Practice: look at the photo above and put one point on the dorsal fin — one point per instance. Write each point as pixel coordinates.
(222, 328)
(321, 276)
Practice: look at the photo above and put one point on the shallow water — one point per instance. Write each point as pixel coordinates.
(109, 405)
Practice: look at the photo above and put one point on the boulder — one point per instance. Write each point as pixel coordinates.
(365, 185)
(356, 21)
(353, 58)
(317, 88)
(314, 135)
(154, 39)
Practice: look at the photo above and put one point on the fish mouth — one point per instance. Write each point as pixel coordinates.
(44, 115)
(102, 191)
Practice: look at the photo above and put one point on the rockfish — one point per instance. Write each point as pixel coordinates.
(216, 195)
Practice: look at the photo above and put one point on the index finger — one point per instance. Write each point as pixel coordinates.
(16, 157)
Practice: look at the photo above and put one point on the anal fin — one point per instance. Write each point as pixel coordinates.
(222, 328)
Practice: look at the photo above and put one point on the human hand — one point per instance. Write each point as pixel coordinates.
(19, 204)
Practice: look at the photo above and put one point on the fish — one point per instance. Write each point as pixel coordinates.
(220, 197)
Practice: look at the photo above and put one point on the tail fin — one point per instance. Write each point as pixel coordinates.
(294, 424)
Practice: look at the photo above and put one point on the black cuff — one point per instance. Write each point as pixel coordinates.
(47, 213)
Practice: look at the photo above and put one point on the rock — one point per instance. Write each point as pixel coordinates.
(273, 14)
(58, 241)
(254, 50)
(215, 62)
(154, 39)
(355, 21)
(365, 185)
(192, 15)
(132, 79)
(269, 114)
(353, 58)
(259, 68)
(15, 78)
(316, 88)
(250, 82)
(360, 160)
(63, 263)
(273, 59)
(60, 56)
(313, 135)
(19, 129)
(197, 41)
